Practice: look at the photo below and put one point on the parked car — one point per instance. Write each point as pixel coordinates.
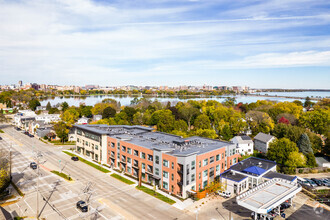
(325, 182)
(259, 216)
(82, 206)
(17, 128)
(74, 158)
(311, 182)
(0, 138)
(225, 194)
(31, 135)
(304, 183)
(318, 182)
(33, 165)
(26, 133)
(285, 205)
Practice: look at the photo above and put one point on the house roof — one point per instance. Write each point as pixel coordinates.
(233, 176)
(321, 160)
(263, 137)
(254, 170)
(251, 162)
(271, 175)
(243, 139)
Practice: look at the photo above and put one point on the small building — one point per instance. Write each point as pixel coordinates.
(323, 161)
(262, 141)
(244, 144)
(97, 117)
(250, 173)
(83, 120)
(43, 131)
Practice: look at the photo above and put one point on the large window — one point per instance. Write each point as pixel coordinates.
(129, 160)
(143, 155)
(156, 171)
(112, 144)
(157, 160)
(165, 174)
(165, 163)
(150, 157)
(192, 165)
(211, 159)
(205, 162)
(205, 173)
(165, 185)
(217, 157)
(129, 150)
(136, 153)
(192, 177)
(123, 148)
(217, 168)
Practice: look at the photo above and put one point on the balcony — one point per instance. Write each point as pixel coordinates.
(180, 172)
(180, 183)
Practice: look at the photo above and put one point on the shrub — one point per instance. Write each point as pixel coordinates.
(300, 170)
(314, 171)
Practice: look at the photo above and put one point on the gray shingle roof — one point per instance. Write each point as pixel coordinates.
(271, 175)
(243, 139)
(263, 137)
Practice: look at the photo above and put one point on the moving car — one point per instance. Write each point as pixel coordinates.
(74, 158)
(82, 206)
(33, 165)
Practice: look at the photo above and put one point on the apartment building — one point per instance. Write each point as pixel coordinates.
(175, 164)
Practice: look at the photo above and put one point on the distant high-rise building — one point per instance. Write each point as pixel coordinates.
(20, 83)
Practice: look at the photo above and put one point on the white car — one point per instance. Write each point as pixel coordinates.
(225, 194)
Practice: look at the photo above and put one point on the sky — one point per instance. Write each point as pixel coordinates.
(257, 43)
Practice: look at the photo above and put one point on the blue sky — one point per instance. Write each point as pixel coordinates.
(258, 43)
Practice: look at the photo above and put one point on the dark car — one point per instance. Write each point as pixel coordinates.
(33, 165)
(0, 138)
(285, 205)
(74, 158)
(31, 135)
(318, 182)
(26, 133)
(82, 206)
(17, 128)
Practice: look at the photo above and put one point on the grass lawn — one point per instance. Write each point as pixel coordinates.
(63, 175)
(88, 162)
(157, 195)
(1, 131)
(58, 142)
(118, 177)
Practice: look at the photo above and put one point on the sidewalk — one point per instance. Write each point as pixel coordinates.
(178, 203)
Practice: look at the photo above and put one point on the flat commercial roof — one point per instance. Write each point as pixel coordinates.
(268, 195)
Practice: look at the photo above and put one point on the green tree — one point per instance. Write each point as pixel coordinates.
(304, 144)
(138, 118)
(310, 160)
(288, 131)
(70, 116)
(61, 130)
(294, 160)
(280, 149)
(33, 104)
(48, 106)
(64, 106)
(259, 122)
(187, 111)
(180, 125)
(108, 112)
(202, 122)
(208, 133)
(226, 133)
(163, 119)
(318, 120)
(308, 103)
(129, 112)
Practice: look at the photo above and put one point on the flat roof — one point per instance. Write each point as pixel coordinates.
(245, 166)
(145, 137)
(271, 175)
(269, 195)
(233, 176)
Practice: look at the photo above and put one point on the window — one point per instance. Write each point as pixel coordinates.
(200, 164)
(96, 147)
(123, 158)
(150, 157)
(129, 150)
(211, 159)
(192, 177)
(192, 165)
(199, 187)
(223, 156)
(205, 184)
(222, 166)
(165, 185)
(143, 155)
(129, 160)
(193, 187)
(149, 169)
(172, 165)
(165, 163)
(187, 182)
(199, 175)
(156, 171)
(78, 140)
(136, 153)
(143, 166)
(129, 170)
(123, 148)
(112, 154)
(165, 174)
(234, 160)
(205, 162)
(230, 162)
(96, 157)
(225, 153)
(172, 177)
(217, 157)
(157, 160)
(205, 173)
(172, 188)
(212, 172)
(136, 163)
(217, 168)
(112, 144)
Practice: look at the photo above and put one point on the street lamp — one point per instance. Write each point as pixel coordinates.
(196, 211)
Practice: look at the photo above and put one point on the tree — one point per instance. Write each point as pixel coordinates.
(4, 171)
(230, 101)
(108, 112)
(188, 111)
(48, 106)
(138, 118)
(283, 120)
(129, 112)
(61, 130)
(208, 133)
(288, 131)
(64, 106)
(163, 119)
(180, 125)
(318, 120)
(86, 111)
(70, 116)
(33, 104)
(226, 133)
(280, 149)
(308, 103)
(294, 160)
(202, 122)
(304, 144)
(310, 160)
(259, 122)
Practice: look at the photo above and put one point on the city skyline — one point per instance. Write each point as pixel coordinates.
(264, 44)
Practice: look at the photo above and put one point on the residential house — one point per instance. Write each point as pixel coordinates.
(244, 144)
(83, 120)
(262, 141)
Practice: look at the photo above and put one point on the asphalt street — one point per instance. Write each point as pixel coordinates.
(107, 197)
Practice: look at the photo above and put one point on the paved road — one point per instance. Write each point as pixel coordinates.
(109, 198)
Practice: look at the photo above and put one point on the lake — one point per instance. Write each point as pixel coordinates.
(126, 100)
(311, 94)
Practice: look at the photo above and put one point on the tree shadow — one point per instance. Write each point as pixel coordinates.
(232, 206)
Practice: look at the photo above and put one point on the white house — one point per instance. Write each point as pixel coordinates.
(262, 141)
(48, 118)
(83, 120)
(244, 144)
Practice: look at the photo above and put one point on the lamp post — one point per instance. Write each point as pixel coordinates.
(197, 210)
